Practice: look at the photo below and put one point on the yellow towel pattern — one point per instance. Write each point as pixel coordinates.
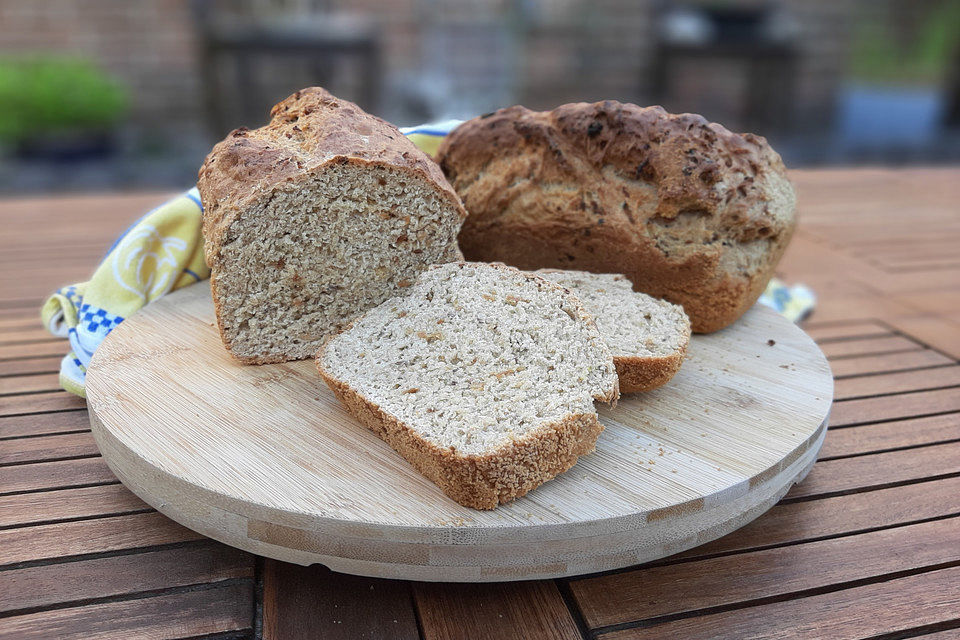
(159, 253)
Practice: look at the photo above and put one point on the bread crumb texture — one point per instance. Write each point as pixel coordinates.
(323, 213)
(688, 210)
(482, 376)
(647, 336)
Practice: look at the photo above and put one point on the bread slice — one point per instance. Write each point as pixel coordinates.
(647, 336)
(483, 377)
(323, 213)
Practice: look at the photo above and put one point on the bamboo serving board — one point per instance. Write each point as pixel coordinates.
(265, 459)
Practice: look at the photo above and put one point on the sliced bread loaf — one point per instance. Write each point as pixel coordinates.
(482, 376)
(647, 336)
(308, 221)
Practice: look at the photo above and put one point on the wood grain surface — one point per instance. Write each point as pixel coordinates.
(861, 246)
(266, 459)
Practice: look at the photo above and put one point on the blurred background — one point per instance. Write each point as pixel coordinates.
(110, 94)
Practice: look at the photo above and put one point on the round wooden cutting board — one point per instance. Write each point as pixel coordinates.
(265, 459)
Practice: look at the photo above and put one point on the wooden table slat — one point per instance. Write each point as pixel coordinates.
(860, 365)
(905, 381)
(728, 580)
(314, 602)
(177, 615)
(793, 522)
(862, 612)
(68, 445)
(51, 541)
(27, 322)
(40, 403)
(879, 469)
(950, 634)
(20, 306)
(19, 350)
(530, 610)
(873, 438)
(938, 332)
(846, 331)
(46, 585)
(48, 506)
(29, 335)
(30, 383)
(55, 475)
(867, 346)
(44, 424)
(903, 405)
(46, 364)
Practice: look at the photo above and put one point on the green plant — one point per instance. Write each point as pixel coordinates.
(48, 94)
(885, 50)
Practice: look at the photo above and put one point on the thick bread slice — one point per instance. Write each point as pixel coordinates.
(687, 210)
(648, 337)
(483, 377)
(321, 214)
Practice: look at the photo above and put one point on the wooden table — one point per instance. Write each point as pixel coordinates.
(867, 547)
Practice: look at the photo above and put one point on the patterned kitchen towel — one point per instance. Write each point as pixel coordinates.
(795, 302)
(429, 136)
(163, 251)
(160, 252)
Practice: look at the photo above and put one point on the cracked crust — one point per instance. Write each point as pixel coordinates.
(689, 211)
(309, 130)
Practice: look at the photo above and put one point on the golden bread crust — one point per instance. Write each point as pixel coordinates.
(479, 482)
(638, 374)
(309, 130)
(688, 210)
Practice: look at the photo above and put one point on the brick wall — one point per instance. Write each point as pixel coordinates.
(566, 49)
(148, 44)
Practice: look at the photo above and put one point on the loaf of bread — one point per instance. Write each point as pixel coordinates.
(647, 336)
(483, 377)
(689, 211)
(321, 214)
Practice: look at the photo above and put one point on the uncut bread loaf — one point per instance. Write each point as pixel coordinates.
(308, 221)
(689, 211)
(647, 336)
(483, 377)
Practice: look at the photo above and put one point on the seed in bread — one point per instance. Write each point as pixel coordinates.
(482, 376)
(647, 336)
(323, 213)
(689, 211)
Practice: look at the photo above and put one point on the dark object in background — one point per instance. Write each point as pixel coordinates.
(272, 29)
(951, 114)
(66, 148)
(737, 65)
